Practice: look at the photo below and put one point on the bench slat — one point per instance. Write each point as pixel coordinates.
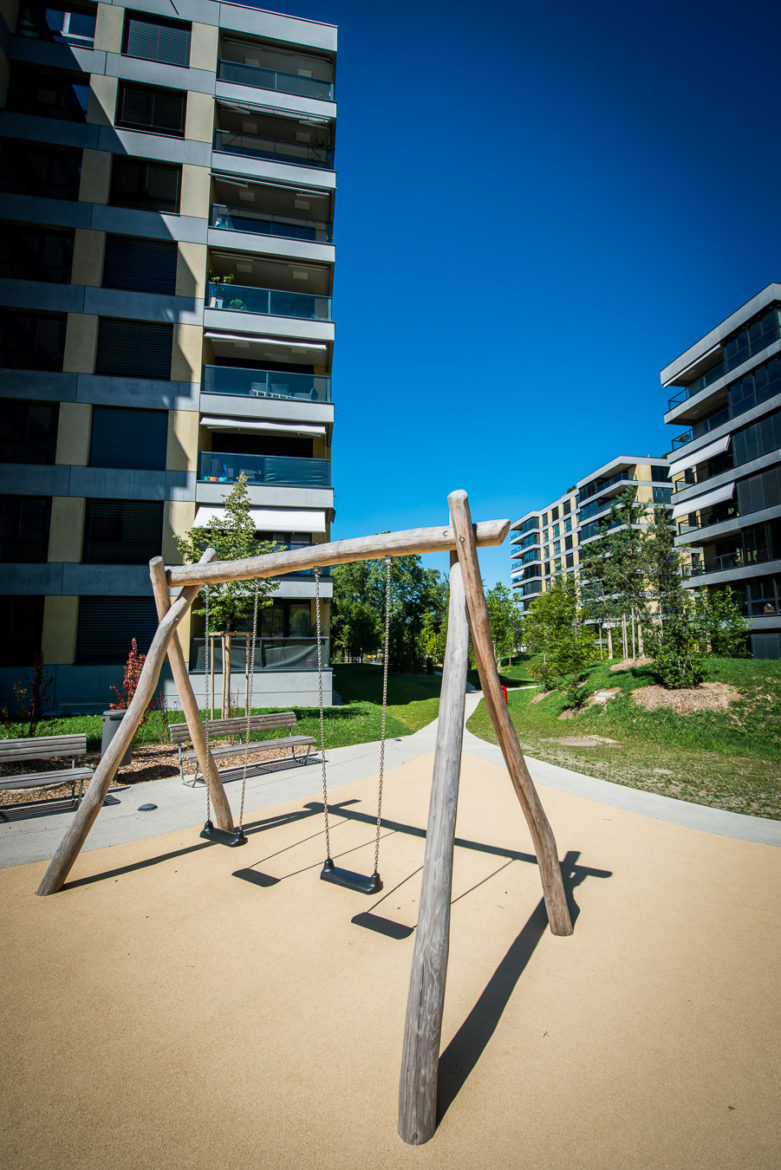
(260, 745)
(42, 747)
(46, 779)
(236, 726)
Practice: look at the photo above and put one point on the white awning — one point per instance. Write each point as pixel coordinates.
(700, 455)
(247, 339)
(272, 519)
(267, 428)
(725, 492)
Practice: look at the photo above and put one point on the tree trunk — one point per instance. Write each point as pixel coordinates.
(640, 645)
(624, 639)
(634, 639)
(226, 675)
(609, 639)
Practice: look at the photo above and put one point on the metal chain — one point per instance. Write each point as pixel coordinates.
(384, 712)
(322, 721)
(208, 665)
(250, 682)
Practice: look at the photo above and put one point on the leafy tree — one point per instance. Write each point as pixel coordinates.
(553, 631)
(664, 566)
(506, 620)
(615, 568)
(429, 638)
(722, 627)
(232, 536)
(359, 630)
(678, 662)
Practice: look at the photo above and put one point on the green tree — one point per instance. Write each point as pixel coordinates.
(554, 632)
(506, 620)
(232, 536)
(678, 662)
(615, 568)
(722, 627)
(663, 566)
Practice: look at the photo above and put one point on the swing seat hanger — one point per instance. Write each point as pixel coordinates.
(351, 881)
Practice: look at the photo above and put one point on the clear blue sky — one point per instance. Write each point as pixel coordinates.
(537, 209)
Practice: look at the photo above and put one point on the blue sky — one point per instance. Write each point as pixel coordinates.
(538, 208)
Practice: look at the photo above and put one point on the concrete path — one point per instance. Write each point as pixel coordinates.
(35, 834)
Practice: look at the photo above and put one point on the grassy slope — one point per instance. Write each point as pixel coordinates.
(729, 759)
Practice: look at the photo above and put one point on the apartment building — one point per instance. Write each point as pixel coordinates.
(166, 210)
(726, 465)
(549, 542)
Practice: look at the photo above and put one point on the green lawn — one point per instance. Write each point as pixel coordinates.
(727, 759)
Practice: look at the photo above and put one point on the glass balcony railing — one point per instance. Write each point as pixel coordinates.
(718, 514)
(260, 78)
(265, 384)
(738, 559)
(747, 343)
(241, 298)
(287, 227)
(701, 428)
(280, 470)
(270, 654)
(600, 485)
(302, 154)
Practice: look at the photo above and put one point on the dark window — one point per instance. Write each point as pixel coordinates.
(570, 560)
(568, 542)
(759, 439)
(36, 253)
(156, 39)
(47, 93)
(141, 183)
(61, 24)
(28, 431)
(140, 265)
(150, 107)
(662, 495)
(122, 437)
(107, 626)
(759, 491)
(21, 625)
(286, 619)
(29, 169)
(135, 349)
(122, 532)
(24, 528)
(31, 341)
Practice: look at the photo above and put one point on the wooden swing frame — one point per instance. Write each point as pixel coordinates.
(420, 1058)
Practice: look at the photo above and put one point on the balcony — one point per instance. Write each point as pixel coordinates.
(601, 485)
(270, 654)
(701, 428)
(268, 470)
(268, 302)
(301, 154)
(259, 78)
(286, 227)
(265, 384)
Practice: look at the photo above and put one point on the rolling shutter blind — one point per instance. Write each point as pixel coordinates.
(145, 107)
(122, 532)
(760, 491)
(140, 265)
(149, 185)
(107, 625)
(157, 40)
(137, 349)
(122, 437)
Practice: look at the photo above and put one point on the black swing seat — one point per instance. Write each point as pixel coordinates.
(223, 836)
(352, 881)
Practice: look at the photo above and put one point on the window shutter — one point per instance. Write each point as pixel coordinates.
(122, 532)
(140, 265)
(145, 184)
(108, 624)
(157, 40)
(122, 437)
(137, 349)
(146, 107)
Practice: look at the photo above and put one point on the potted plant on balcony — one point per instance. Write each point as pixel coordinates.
(216, 301)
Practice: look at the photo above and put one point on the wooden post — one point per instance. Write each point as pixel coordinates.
(70, 846)
(222, 812)
(420, 1058)
(539, 826)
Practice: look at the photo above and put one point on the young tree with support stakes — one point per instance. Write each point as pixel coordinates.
(232, 536)
(615, 567)
(506, 621)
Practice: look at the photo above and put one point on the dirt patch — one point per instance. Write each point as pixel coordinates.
(585, 740)
(599, 698)
(542, 695)
(628, 663)
(710, 696)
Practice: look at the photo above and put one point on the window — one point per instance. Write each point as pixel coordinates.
(24, 528)
(150, 107)
(47, 93)
(21, 625)
(759, 491)
(140, 265)
(135, 349)
(31, 341)
(29, 169)
(36, 253)
(122, 437)
(286, 619)
(156, 39)
(64, 25)
(28, 431)
(141, 183)
(107, 625)
(122, 532)
(759, 439)
(662, 495)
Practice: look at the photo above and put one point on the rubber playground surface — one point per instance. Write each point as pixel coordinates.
(181, 1004)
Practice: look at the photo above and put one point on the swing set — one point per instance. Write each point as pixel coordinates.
(467, 609)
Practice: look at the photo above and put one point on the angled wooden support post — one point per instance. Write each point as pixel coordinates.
(420, 1058)
(539, 826)
(71, 844)
(222, 813)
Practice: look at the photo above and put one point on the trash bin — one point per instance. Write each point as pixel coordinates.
(504, 694)
(111, 722)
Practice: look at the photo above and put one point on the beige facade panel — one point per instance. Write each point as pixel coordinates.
(88, 251)
(60, 623)
(108, 28)
(178, 518)
(73, 434)
(199, 124)
(9, 10)
(191, 270)
(196, 190)
(204, 41)
(182, 449)
(81, 340)
(66, 531)
(95, 176)
(186, 356)
(102, 100)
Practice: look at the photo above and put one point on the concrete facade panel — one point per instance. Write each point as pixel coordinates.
(129, 484)
(178, 518)
(187, 351)
(145, 144)
(42, 295)
(103, 580)
(137, 306)
(73, 434)
(274, 409)
(256, 168)
(196, 194)
(157, 73)
(269, 496)
(239, 322)
(95, 177)
(81, 338)
(53, 56)
(54, 130)
(151, 224)
(37, 579)
(272, 245)
(60, 622)
(108, 28)
(200, 117)
(34, 209)
(39, 385)
(66, 531)
(145, 393)
(191, 272)
(31, 479)
(277, 100)
(203, 48)
(88, 252)
(102, 101)
(182, 448)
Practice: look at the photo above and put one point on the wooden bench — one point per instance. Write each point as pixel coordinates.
(236, 729)
(45, 747)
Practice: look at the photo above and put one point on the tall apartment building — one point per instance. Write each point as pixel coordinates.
(166, 208)
(550, 541)
(726, 466)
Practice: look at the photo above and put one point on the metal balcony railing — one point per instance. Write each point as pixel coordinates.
(302, 154)
(265, 383)
(260, 78)
(279, 470)
(273, 302)
(286, 227)
(270, 654)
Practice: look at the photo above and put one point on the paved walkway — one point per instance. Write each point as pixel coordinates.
(35, 834)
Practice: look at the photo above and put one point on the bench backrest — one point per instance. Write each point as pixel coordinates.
(41, 747)
(236, 726)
